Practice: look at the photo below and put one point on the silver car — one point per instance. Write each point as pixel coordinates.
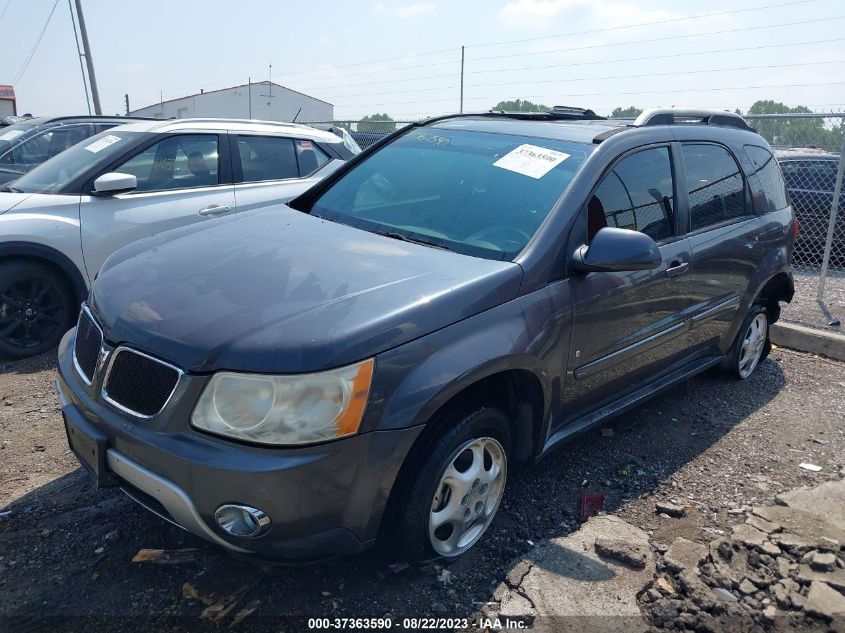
(60, 221)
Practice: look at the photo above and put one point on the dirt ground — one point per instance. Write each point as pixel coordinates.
(714, 444)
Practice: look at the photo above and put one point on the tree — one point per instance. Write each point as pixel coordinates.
(377, 123)
(520, 106)
(631, 112)
(793, 131)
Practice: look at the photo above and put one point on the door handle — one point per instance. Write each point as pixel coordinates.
(214, 209)
(677, 268)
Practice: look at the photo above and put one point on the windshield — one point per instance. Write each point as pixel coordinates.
(476, 193)
(55, 174)
(13, 133)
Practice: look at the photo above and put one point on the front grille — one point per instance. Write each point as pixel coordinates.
(86, 347)
(139, 384)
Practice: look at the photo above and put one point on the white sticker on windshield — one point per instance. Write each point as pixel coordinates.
(11, 134)
(102, 143)
(531, 160)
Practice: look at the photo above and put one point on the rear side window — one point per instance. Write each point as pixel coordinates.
(267, 158)
(768, 171)
(715, 184)
(637, 194)
(310, 157)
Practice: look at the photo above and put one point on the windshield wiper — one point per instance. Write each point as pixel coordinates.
(11, 190)
(414, 240)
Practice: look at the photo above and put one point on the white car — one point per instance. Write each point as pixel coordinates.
(60, 221)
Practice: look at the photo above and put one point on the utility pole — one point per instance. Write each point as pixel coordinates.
(95, 94)
(249, 93)
(79, 54)
(462, 79)
(126, 99)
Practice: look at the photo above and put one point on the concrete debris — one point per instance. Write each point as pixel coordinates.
(823, 561)
(824, 601)
(783, 566)
(684, 554)
(670, 509)
(633, 554)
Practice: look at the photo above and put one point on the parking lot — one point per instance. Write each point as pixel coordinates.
(66, 549)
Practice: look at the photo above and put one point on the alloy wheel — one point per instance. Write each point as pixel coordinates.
(467, 496)
(31, 309)
(752, 345)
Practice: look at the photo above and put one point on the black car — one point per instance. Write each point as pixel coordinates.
(810, 176)
(30, 142)
(370, 360)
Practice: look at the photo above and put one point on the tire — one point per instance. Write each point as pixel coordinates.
(37, 306)
(472, 440)
(752, 344)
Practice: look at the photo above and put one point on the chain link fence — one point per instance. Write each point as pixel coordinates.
(809, 148)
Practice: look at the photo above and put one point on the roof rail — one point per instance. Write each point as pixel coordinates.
(556, 113)
(233, 120)
(672, 116)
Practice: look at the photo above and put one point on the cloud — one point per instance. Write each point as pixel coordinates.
(403, 10)
(528, 9)
(625, 13)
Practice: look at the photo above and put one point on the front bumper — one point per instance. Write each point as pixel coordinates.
(323, 500)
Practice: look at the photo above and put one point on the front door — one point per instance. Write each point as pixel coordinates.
(180, 182)
(628, 326)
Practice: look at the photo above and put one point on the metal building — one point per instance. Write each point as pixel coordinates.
(264, 100)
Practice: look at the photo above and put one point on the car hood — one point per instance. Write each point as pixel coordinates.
(279, 291)
(8, 200)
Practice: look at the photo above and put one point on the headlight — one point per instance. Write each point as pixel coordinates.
(295, 409)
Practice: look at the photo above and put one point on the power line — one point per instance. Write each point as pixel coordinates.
(359, 84)
(601, 94)
(609, 77)
(5, 8)
(663, 39)
(573, 33)
(37, 42)
(579, 48)
(652, 23)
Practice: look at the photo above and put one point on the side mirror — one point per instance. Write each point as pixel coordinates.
(617, 250)
(115, 182)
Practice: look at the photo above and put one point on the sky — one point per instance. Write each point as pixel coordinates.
(404, 58)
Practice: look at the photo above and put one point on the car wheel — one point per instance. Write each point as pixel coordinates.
(36, 309)
(456, 490)
(752, 345)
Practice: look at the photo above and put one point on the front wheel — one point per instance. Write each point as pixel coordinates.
(456, 490)
(36, 309)
(752, 344)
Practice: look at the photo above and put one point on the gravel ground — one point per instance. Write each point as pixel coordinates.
(805, 307)
(713, 443)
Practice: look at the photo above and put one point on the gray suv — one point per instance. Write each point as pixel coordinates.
(472, 291)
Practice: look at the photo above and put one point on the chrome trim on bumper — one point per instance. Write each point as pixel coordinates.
(169, 495)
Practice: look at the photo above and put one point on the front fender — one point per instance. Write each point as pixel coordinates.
(530, 333)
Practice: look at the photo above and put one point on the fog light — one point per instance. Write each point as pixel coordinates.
(243, 521)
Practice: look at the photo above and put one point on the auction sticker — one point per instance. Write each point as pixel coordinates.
(102, 143)
(11, 134)
(531, 160)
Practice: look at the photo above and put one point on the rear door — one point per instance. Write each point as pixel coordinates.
(182, 179)
(270, 170)
(725, 238)
(627, 326)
